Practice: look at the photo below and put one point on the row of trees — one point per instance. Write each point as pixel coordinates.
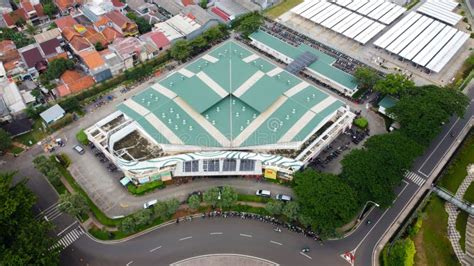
(248, 23)
(24, 239)
(162, 210)
(19, 38)
(290, 210)
(49, 169)
(183, 49)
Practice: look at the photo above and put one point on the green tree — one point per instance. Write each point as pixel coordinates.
(19, 38)
(30, 29)
(49, 169)
(402, 253)
(172, 206)
(49, 8)
(274, 207)
(211, 196)
(422, 111)
(143, 217)
(127, 225)
(198, 45)
(394, 84)
(181, 50)
(25, 239)
(161, 210)
(194, 202)
(143, 25)
(228, 197)
(203, 4)
(73, 204)
(55, 69)
(366, 77)
(326, 201)
(374, 171)
(248, 23)
(290, 210)
(213, 34)
(98, 46)
(5, 140)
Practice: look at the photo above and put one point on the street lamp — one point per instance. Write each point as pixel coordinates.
(365, 206)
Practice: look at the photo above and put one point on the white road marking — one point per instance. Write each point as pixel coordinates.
(245, 235)
(276, 243)
(130, 262)
(216, 233)
(154, 249)
(67, 228)
(383, 214)
(185, 238)
(306, 255)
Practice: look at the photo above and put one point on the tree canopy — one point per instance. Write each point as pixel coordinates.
(5, 140)
(402, 253)
(223, 197)
(180, 50)
(55, 69)
(366, 77)
(248, 24)
(19, 38)
(143, 25)
(374, 171)
(325, 200)
(394, 84)
(73, 204)
(25, 239)
(422, 111)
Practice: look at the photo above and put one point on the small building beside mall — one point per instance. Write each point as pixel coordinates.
(228, 113)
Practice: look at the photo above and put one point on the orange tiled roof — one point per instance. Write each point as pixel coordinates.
(74, 82)
(81, 84)
(79, 43)
(118, 18)
(69, 33)
(39, 10)
(103, 20)
(111, 34)
(70, 76)
(65, 22)
(92, 59)
(94, 37)
(65, 4)
(61, 55)
(26, 5)
(12, 17)
(187, 2)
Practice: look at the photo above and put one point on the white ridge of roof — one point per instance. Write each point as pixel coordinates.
(325, 6)
(393, 33)
(392, 15)
(409, 35)
(336, 18)
(372, 5)
(356, 4)
(448, 5)
(357, 28)
(326, 14)
(347, 23)
(369, 33)
(310, 12)
(422, 40)
(381, 10)
(343, 2)
(433, 10)
(303, 6)
(449, 50)
(434, 46)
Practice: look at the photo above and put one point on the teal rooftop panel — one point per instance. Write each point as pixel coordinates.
(309, 97)
(264, 92)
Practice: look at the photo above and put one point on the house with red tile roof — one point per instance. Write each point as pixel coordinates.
(95, 65)
(65, 22)
(157, 40)
(72, 82)
(105, 26)
(122, 24)
(12, 61)
(119, 5)
(131, 50)
(15, 17)
(67, 6)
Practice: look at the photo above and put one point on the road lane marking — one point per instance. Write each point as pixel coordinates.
(154, 249)
(245, 235)
(130, 262)
(306, 255)
(67, 228)
(216, 233)
(276, 243)
(185, 238)
(383, 214)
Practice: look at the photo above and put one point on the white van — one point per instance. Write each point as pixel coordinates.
(263, 193)
(150, 203)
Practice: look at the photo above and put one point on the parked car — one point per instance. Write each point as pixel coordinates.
(150, 203)
(282, 197)
(79, 149)
(263, 193)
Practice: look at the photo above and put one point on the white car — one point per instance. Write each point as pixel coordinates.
(150, 203)
(79, 149)
(282, 197)
(263, 193)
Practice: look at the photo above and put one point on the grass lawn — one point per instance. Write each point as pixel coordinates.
(16, 150)
(253, 198)
(281, 8)
(469, 196)
(457, 171)
(432, 245)
(461, 224)
(35, 135)
(145, 188)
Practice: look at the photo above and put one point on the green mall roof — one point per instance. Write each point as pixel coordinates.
(227, 98)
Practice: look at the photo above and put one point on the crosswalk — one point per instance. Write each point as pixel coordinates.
(69, 238)
(50, 213)
(415, 178)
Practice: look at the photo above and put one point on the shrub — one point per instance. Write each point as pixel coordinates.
(145, 188)
(66, 120)
(82, 137)
(361, 123)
